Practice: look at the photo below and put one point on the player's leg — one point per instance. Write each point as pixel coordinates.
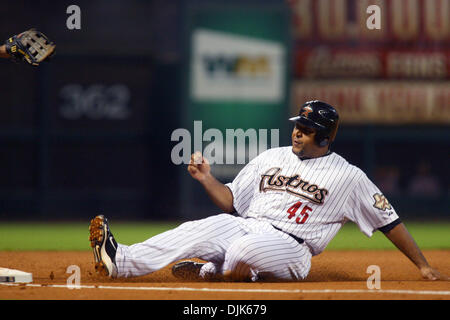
(206, 239)
(271, 257)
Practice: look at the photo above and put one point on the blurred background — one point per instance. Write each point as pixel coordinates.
(93, 131)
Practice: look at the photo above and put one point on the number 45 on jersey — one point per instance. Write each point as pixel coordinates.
(302, 216)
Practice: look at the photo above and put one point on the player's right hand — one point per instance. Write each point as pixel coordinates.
(432, 274)
(199, 167)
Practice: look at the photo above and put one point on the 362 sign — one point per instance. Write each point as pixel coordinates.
(95, 102)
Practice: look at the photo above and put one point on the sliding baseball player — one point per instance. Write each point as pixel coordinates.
(284, 207)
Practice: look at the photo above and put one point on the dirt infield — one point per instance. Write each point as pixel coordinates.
(334, 275)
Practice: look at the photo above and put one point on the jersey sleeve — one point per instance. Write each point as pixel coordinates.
(243, 187)
(368, 207)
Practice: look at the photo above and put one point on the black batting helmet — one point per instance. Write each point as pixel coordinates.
(320, 116)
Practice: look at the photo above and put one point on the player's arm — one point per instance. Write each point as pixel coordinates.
(220, 194)
(3, 53)
(370, 209)
(403, 240)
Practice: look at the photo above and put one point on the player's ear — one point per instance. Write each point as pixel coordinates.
(324, 142)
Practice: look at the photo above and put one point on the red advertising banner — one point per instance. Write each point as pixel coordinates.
(333, 39)
(387, 102)
(402, 21)
(322, 62)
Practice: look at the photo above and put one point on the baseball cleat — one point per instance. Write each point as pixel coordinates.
(104, 246)
(187, 270)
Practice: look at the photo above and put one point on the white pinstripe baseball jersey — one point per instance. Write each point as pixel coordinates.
(310, 199)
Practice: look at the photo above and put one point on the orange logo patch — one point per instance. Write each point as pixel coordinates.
(306, 110)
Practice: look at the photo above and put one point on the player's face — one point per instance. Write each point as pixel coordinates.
(303, 143)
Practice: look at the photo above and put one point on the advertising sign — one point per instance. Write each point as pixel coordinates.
(235, 102)
(387, 102)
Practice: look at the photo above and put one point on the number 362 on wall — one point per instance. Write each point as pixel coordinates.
(95, 102)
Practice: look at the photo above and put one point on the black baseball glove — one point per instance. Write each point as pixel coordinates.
(30, 46)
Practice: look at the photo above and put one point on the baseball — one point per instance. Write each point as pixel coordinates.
(198, 158)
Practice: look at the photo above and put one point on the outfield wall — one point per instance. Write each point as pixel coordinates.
(91, 132)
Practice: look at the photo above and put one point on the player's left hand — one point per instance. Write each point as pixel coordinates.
(199, 167)
(432, 274)
(30, 46)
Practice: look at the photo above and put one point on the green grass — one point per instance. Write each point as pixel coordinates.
(428, 235)
(71, 236)
(74, 236)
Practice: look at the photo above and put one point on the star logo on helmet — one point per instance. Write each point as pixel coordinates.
(306, 110)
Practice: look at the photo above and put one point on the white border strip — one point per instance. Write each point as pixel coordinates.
(411, 292)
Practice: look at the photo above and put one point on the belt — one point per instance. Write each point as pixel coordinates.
(299, 240)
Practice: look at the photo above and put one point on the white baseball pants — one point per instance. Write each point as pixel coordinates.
(248, 248)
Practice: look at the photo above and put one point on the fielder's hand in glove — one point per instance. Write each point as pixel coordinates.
(30, 46)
